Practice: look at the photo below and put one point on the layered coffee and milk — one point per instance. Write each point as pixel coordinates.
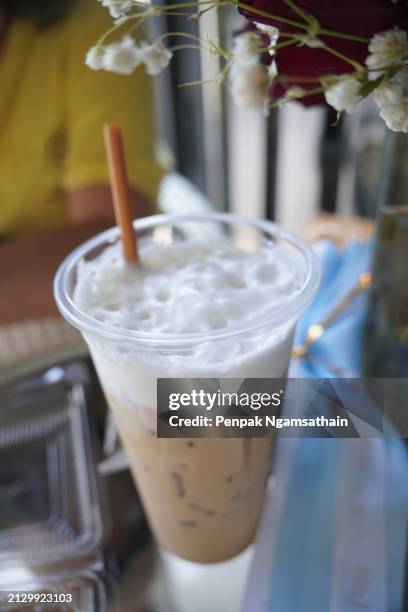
(202, 496)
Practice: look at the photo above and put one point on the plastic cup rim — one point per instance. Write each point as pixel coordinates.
(276, 316)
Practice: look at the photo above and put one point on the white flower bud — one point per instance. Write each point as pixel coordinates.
(388, 94)
(271, 31)
(249, 84)
(272, 72)
(386, 49)
(247, 47)
(94, 58)
(396, 116)
(122, 57)
(117, 8)
(344, 94)
(155, 57)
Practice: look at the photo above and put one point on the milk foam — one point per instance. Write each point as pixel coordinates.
(181, 288)
(185, 287)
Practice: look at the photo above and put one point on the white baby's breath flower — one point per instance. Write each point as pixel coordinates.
(268, 29)
(343, 95)
(390, 41)
(247, 47)
(250, 79)
(396, 116)
(121, 57)
(273, 34)
(388, 94)
(386, 49)
(156, 57)
(249, 84)
(117, 8)
(272, 71)
(94, 58)
(393, 105)
(271, 31)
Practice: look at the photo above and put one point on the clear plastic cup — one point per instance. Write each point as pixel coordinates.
(203, 497)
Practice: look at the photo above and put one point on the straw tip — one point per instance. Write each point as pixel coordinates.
(110, 128)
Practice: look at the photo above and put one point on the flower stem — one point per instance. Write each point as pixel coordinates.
(184, 5)
(286, 43)
(184, 34)
(143, 15)
(308, 92)
(296, 9)
(202, 43)
(181, 46)
(344, 35)
(324, 31)
(267, 14)
(219, 79)
(285, 79)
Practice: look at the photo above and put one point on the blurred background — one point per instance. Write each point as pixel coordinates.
(70, 518)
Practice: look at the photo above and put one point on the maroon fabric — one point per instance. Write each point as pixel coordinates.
(361, 17)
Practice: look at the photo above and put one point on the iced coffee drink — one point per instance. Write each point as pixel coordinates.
(207, 300)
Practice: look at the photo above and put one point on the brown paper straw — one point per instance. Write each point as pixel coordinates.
(120, 190)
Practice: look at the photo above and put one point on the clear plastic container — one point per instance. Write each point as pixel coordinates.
(49, 498)
(203, 497)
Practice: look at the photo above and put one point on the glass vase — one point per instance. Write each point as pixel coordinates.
(386, 326)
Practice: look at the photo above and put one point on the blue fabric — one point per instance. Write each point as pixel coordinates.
(341, 344)
(396, 521)
(302, 580)
(304, 551)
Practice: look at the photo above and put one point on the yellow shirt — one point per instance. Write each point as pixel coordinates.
(52, 108)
